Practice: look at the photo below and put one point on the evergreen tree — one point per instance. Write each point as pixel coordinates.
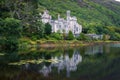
(48, 29)
(70, 35)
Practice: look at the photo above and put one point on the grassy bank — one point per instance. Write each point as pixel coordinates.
(24, 42)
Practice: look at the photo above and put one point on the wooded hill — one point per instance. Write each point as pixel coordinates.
(96, 16)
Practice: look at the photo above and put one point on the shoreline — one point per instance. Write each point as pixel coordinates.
(62, 43)
(76, 44)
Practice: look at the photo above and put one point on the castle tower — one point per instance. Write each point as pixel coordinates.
(68, 15)
(46, 17)
(58, 16)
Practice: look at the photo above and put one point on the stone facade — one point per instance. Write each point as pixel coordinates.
(95, 36)
(62, 25)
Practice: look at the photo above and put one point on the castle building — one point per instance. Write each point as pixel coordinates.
(62, 25)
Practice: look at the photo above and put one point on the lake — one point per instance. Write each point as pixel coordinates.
(97, 62)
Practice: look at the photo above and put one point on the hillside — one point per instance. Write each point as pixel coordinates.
(88, 12)
(96, 16)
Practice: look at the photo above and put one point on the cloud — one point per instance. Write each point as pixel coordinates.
(117, 0)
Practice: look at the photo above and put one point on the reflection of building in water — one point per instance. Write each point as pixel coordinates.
(94, 49)
(65, 62)
(107, 48)
(115, 45)
(45, 70)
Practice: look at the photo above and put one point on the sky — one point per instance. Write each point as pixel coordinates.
(117, 0)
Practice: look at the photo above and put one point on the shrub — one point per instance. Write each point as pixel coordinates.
(82, 36)
(57, 36)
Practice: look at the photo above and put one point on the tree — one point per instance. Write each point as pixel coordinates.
(83, 37)
(11, 27)
(63, 35)
(40, 29)
(11, 32)
(1, 26)
(70, 35)
(48, 29)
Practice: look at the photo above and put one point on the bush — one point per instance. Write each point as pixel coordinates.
(57, 36)
(82, 36)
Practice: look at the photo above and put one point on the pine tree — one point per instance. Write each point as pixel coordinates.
(48, 29)
(70, 35)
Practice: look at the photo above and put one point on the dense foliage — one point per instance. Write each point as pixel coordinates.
(83, 37)
(10, 31)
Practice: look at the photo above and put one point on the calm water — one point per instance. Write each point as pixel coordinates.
(98, 62)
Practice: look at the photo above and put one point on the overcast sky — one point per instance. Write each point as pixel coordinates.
(117, 0)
